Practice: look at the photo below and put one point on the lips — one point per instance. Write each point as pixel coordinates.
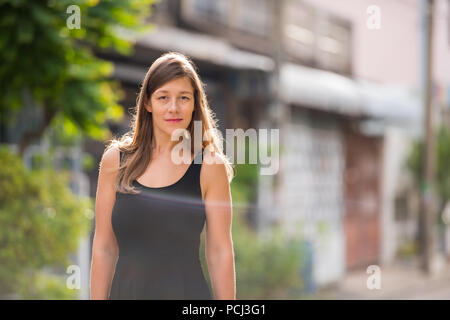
(173, 120)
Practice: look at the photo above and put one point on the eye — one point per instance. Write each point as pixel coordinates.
(162, 97)
(185, 98)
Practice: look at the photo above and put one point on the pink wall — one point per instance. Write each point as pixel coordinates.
(441, 68)
(392, 53)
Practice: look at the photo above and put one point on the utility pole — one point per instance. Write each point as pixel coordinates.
(277, 109)
(427, 214)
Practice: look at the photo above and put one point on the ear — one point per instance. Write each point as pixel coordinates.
(148, 107)
(147, 103)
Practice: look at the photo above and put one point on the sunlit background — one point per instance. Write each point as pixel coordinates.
(346, 84)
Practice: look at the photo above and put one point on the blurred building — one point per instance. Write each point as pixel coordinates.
(353, 105)
(388, 63)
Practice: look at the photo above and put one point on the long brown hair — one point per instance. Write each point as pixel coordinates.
(135, 145)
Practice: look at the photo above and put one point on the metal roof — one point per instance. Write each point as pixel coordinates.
(332, 92)
(320, 89)
(204, 47)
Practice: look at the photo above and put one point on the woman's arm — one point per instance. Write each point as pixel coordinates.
(219, 244)
(104, 248)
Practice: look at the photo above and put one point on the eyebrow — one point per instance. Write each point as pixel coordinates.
(162, 91)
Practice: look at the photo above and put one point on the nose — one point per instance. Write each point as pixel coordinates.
(173, 105)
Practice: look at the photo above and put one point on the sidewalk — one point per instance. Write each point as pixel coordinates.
(399, 281)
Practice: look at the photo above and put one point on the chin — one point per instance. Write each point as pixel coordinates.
(170, 132)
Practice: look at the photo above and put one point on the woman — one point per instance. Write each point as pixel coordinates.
(153, 210)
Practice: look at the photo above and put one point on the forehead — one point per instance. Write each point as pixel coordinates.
(178, 85)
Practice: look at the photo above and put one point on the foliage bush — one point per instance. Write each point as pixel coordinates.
(41, 222)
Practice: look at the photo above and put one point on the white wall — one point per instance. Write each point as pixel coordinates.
(395, 150)
(312, 193)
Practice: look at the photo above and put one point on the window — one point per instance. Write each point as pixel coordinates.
(317, 38)
(252, 16)
(212, 11)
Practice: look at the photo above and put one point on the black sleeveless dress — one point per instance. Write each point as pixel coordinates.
(158, 233)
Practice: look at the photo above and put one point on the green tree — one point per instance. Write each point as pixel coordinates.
(41, 223)
(415, 165)
(54, 65)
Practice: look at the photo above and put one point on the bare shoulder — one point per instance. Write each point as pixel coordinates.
(110, 159)
(213, 171)
(213, 163)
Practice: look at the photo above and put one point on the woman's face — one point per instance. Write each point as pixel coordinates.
(172, 105)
